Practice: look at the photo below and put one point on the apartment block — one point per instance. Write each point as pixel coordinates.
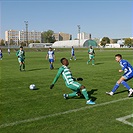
(62, 36)
(83, 35)
(21, 36)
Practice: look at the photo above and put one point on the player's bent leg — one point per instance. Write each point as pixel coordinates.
(115, 87)
(74, 94)
(124, 83)
(111, 93)
(84, 92)
(75, 87)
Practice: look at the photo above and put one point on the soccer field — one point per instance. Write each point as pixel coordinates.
(46, 111)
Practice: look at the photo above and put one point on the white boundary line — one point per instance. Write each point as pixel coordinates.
(123, 119)
(61, 113)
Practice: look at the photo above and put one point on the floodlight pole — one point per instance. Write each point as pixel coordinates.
(26, 24)
(79, 33)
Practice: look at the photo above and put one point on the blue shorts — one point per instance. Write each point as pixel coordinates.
(51, 60)
(128, 76)
(1, 55)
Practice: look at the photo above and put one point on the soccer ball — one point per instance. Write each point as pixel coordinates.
(32, 87)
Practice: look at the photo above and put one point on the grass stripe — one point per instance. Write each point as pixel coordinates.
(61, 113)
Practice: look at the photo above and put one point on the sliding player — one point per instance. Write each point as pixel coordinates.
(128, 74)
(71, 83)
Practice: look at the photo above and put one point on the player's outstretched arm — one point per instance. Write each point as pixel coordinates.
(56, 77)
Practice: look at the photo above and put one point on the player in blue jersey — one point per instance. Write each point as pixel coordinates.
(1, 55)
(128, 74)
(51, 56)
(73, 54)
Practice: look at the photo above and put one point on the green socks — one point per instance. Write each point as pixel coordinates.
(84, 92)
(88, 61)
(20, 66)
(23, 66)
(74, 94)
(92, 62)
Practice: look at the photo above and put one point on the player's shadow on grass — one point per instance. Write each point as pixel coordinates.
(36, 69)
(120, 92)
(100, 63)
(90, 93)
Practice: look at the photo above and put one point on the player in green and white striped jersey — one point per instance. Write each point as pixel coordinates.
(70, 82)
(21, 57)
(91, 53)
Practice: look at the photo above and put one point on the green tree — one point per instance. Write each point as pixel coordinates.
(11, 42)
(129, 42)
(47, 36)
(2, 43)
(37, 41)
(104, 41)
(31, 41)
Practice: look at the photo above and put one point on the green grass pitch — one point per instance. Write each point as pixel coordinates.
(46, 111)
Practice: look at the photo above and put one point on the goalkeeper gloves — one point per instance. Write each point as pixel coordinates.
(51, 86)
(79, 79)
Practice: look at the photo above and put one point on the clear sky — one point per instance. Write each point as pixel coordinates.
(110, 18)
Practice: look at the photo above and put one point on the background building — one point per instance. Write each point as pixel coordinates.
(14, 37)
(83, 35)
(74, 43)
(62, 36)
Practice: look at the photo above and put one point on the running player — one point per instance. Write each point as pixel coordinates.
(70, 82)
(21, 57)
(8, 51)
(51, 57)
(128, 74)
(1, 55)
(91, 53)
(73, 54)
